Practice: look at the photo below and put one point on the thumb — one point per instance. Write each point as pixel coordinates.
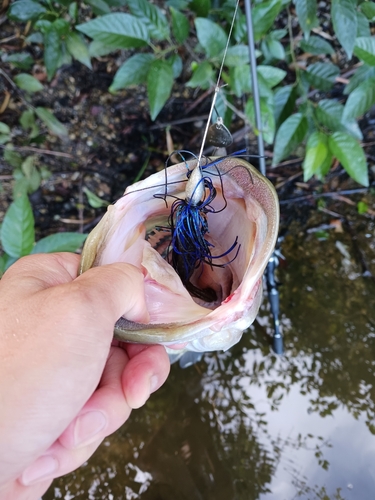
(115, 289)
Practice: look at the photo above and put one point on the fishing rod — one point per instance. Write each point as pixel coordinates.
(273, 293)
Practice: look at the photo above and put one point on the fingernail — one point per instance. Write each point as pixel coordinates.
(154, 383)
(87, 427)
(41, 469)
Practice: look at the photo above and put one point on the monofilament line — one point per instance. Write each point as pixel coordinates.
(217, 88)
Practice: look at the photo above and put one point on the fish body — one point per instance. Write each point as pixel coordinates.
(135, 230)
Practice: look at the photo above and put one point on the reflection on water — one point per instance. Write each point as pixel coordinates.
(249, 425)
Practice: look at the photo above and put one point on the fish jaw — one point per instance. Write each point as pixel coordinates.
(252, 214)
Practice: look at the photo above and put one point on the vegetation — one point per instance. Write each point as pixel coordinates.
(316, 71)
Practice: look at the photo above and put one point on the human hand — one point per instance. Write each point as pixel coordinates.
(63, 387)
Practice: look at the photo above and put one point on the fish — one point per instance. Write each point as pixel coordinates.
(136, 229)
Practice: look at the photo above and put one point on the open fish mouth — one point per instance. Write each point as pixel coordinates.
(220, 301)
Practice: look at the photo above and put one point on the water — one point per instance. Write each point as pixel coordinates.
(250, 425)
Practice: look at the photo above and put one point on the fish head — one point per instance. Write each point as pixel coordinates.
(136, 230)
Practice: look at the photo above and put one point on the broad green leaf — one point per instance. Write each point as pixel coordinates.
(360, 100)
(316, 45)
(4, 128)
(211, 37)
(317, 152)
(62, 27)
(368, 8)
(94, 200)
(99, 7)
(35, 38)
(240, 79)
(264, 15)
(73, 11)
(31, 174)
(52, 51)
(133, 72)
(285, 99)
(290, 134)
(12, 157)
(43, 25)
(237, 55)
(267, 116)
(27, 82)
(53, 124)
(25, 10)
(180, 25)
(4, 138)
(363, 25)
(351, 156)
(117, 30)
(364, 49)
(362, 73)
(278, 34)
(306, 12)
(159, 86)
(78, 48)
(152, 17)
(200, 7)
(176, 62)
(272, 49)
(27, 121)
(203, 76)
(272, 75)
(99, 49)
(330, 114)
(17, 230)
(59, 242)
(20, 187)
(322, 75)
(22, 60)
(344, 18)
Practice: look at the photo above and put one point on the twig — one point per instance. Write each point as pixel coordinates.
(41, 151)
(323, 195)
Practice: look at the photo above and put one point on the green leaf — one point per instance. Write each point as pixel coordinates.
(133, 72)
(22, 60)
(99, 7)
(73, 11)
(27, 82)
(53, 124)
(363, 73)
(25, 10)
(12, 157)
(17, 230)
(4, 128)
(211, 37)
(62, 27)
(99, 49)
(322, 75)
(285, 99)
(368, 8)
(200, 7)
(364, 49)
(27, 121)
(20, 187)
(94, 200)
(362, 207)
(31, 174)
(52, 51)
(239, 79)
(363, 25)
(330, 114)
(264, 15)
(317, 153)
(203, 76)
(152, 17)
(43, 25)
(360, 100)
(78, 48)
(180, 25)
(316, 45)
(117, 30)
(344, 18)
(272, 49)
(4, 138)
(351, 156)
(290, 134)
(237, 55)
(271, 74)
(159, 85)
(176, 62)
(267, 115)
(59, 242)
(306, 12)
